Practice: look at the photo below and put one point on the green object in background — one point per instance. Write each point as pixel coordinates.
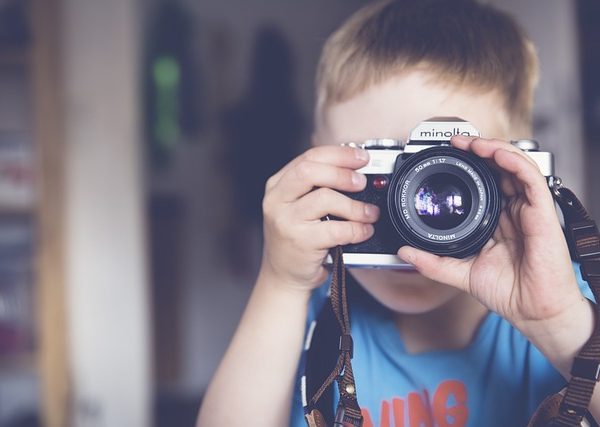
(166, 75)
(171, 98)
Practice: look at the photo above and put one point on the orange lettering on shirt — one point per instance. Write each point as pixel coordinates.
(385, 414)
(455, 415)
(367, 421)
(418, 413)
(398, 407)
(448, 408)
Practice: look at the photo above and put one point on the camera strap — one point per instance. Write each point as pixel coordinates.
(570, 406)
(348, 411)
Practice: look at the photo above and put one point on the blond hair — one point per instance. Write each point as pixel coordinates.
(460, 41)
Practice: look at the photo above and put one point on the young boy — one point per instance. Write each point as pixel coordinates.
(452, 343)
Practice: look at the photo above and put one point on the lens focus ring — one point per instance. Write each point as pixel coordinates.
(445, 201)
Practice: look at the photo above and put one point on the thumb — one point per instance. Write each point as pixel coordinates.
(447, 270)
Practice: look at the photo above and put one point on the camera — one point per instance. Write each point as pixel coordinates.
(431, 196)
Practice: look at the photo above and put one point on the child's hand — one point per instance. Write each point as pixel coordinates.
(524, 272)
(296, 239)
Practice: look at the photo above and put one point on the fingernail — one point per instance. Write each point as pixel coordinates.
(361, 154)
(358, 179)
(371, 211)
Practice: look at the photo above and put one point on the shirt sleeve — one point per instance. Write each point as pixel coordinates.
(583, 285)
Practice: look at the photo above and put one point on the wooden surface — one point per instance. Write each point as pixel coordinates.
(49, 123)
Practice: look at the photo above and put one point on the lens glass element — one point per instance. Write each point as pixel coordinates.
(443, 201)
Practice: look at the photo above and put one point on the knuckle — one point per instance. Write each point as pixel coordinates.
(360, 232)
(270, 183)
(355, 232)
(351, 232)
(320, 196)
(365, 232)
(357, 209)
(311, 154)
(336, 231)
(343, 177)
(325, 195)
(280, 226)
(303, 170)
(267, 206)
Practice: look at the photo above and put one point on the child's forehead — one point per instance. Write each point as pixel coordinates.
(391, 109)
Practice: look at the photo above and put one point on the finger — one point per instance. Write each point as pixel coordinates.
(527, 177)
(329, 234)
(529, 180)
(485, 148)
(451, 271)
(335, 155)
(462, 142)
(306, 175)
(325, 201)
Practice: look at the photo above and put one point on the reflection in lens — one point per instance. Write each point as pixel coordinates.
(443, 201)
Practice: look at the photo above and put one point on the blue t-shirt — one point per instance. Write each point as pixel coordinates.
(498, 380)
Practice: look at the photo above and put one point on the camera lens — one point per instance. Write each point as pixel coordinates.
(443, 201)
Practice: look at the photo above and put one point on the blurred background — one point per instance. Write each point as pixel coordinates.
(135, 139)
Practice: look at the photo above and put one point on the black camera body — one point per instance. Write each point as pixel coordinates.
(431, 196)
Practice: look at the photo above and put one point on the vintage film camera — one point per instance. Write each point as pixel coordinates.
(431, 196)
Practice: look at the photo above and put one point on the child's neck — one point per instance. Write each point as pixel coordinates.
(450, 327)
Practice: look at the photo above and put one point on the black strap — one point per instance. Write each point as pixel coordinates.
(348, 411)
(321, 357)
(583, 239)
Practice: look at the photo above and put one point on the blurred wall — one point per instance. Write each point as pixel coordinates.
(557, 108)
(212, 293)
(105, 254)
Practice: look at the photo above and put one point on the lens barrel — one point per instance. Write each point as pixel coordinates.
(445, 201)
